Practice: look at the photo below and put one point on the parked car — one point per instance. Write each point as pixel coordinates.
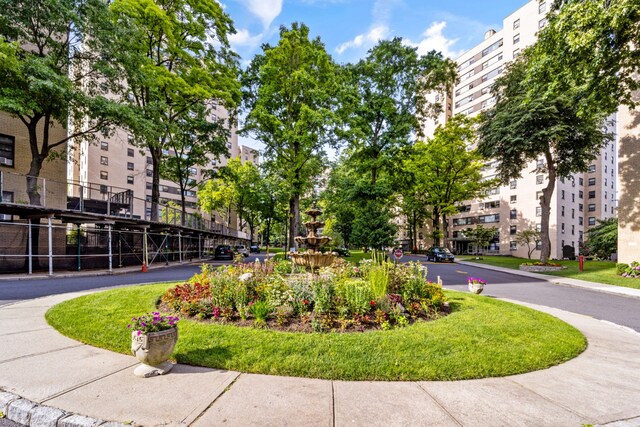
(223, 252)
(439, 254)
(242, 250)
(343, 252)
(254, 249)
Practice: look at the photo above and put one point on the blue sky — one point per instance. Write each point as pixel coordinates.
(348, 28)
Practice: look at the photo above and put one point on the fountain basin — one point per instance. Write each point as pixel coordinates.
(312, 260)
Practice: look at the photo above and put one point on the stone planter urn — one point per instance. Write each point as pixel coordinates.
(476, 288)
(153, 350)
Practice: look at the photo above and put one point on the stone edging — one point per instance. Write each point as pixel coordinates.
(28, 413)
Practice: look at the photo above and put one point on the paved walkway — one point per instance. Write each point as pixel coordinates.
(600, 386)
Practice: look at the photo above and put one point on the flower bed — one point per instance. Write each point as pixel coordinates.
(630, 271)
(541, 267)
(341, 298)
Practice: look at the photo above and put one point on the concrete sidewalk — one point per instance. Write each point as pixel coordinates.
(577, 283)
(600, 386)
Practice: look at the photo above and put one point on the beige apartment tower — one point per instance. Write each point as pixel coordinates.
(577, 203)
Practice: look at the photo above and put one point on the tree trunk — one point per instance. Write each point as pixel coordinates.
(34, 195)
(435, 224)
(294, 219)
(156, 153)
(545, 204)
(445, 231)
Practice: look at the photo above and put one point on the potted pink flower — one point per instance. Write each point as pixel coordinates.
(153, 337)
(476, 285)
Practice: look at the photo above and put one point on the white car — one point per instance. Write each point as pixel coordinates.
(241, 249)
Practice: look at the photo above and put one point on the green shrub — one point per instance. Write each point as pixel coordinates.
(260, 310)
(378, 277)
(323, 292)
(621, 268)
(632, 271)
(356, 294)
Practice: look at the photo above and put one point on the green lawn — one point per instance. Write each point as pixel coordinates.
(356, 256)
(594, 271)
(483, 337)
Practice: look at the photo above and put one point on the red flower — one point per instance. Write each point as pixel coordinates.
(305, 301)
(373, 303)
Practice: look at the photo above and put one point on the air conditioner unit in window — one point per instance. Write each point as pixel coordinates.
(5, 161)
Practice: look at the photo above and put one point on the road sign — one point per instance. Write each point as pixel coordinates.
(398, 253)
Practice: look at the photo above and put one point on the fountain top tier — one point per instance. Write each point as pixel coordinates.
(312, 259)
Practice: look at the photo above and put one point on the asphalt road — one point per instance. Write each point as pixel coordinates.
(617, 309)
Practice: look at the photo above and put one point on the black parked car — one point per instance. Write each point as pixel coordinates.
(223, 252)
(439, 254)
(254, 249)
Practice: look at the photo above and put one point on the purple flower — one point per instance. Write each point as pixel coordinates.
(139, 333)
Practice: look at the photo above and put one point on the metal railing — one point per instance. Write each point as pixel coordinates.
(99, 199)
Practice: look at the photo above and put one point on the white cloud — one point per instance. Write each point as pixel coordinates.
(266, 10)
(433, 39)
(244, 38)
(372, 37)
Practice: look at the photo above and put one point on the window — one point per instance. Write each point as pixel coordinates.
(581, 207)
(580, 236)
(149, 172)
(193, 171)
(7, 150)
(538, 244)
(538, 195)
(605, 196)
(462, 221)
(513, 229)
(513, 214)
(516, 24)
(538, 228)
(539, 179)
(573, 213)
(605, 208)
(580, 220)
(514, 199)
(104, 189)
(580, 181)
(491, 205)
(516, 53)
(149, 186)
(130, 179)
(513, 245)
(592, 220)
(542, 23)
(561, 210)
(129, 166)
(605, 182)
(540, 164)
(491, 48)
(491, 74)
(562, 228)
(591, 169)
(592, 194)
(149, 160)
(542, 7)
(493, 191)
(573, 197)
(513, 184)
(489, 218)
(104, 145)
(591, 207)
(573, 230)
(562, 194)
(538, 210)
(104, 175)
(130, 152)
(516, 39)
(592, 181)
(104, 161)
(464, 208)
(580, 194)
(130, 139)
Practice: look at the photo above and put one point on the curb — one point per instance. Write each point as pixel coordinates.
(592, 286)
(32, 414)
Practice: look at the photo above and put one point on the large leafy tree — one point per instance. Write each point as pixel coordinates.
(446, 171)
(173, 58)
(533, 118)
(52, 61)
(385, 103)
(289, 93)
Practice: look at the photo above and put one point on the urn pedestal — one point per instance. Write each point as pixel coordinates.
(153, 350)
(476, 288)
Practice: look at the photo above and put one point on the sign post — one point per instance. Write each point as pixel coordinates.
(397, 254)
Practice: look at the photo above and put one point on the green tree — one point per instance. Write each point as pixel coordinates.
(446, 172)
(373, 227)
(384, 103)
(173, 57)
(338, 200)
(480, 236)
(194, 141)
(532, 119)
(216, 196)
(603, 238)
(289, 93)
(529, 237)
(52, 75)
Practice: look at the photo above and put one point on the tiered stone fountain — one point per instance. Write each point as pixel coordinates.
(313, 259)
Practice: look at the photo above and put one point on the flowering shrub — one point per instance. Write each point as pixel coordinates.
(152, 322)
(542, 264)
(476, 281)
(631, 271)
(342, 297)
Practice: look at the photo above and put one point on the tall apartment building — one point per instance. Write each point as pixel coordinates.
(577, 202)
(116, 164)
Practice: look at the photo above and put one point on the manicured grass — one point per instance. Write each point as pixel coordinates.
(594, 271)
(356, 256)
(482, 337)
